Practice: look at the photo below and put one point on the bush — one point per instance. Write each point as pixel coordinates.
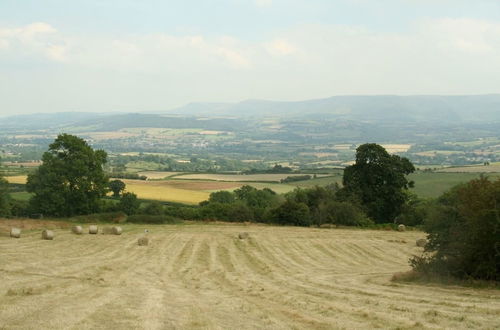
(153, 208)
(343, 213)
(152, 219)
(129, 203)
(464, 229)
(183, 212)
(291, 213)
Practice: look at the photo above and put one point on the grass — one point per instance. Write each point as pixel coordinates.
(194, 276)
(161, 191)
(433, 184)
(21, 196)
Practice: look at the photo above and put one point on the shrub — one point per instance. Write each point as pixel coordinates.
(464, 229)
(129, 203)
(153, 208)
(291, 213)
(343, 213)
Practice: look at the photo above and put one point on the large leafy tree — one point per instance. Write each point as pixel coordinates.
(71, 180)
(4, 197)
(378, 180)
(464, 232)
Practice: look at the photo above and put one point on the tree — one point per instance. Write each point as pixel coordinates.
(291, 213)
(378, 180)
(464, 233)
(71, 179)
(129, 203)
(223, 196)
(116, 186)
(4, 198)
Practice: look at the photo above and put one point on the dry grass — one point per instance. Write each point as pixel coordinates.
(204, 277)
(165, 191)
(19, 179)
(492, 168)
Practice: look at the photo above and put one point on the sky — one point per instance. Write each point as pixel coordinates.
(155, 55)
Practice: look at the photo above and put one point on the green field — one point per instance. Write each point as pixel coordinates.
(433, 184)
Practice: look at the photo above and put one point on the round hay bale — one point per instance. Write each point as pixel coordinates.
(422, 242)
(143, 241)
(93, 229)
(401, 228)
(243, 235)
(48, 234)
(117, 230)
(15, 232)
(78, 230)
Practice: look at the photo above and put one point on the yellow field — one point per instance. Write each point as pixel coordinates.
(204, 277)
(392, 148)
(19, 179)
(163, 191)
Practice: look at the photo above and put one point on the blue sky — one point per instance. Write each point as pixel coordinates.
(154, 55)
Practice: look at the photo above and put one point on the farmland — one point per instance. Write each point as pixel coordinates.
(201, 276)
(238, 177)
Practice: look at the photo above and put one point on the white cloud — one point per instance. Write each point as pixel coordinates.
(443, 56)
(280, 47)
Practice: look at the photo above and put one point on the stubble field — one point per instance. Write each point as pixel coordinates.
(200, 276)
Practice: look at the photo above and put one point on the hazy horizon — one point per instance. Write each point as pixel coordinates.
(152, 56)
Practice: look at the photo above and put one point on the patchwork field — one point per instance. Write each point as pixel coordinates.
(238, 177)
(492, 168)
(203, 277)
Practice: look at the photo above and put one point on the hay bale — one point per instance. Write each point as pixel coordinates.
(15, 232)
(117, 230)
(243, 235)
(422, 242)
(93, 229)
(77, 230)
(48, 234)
(143, 241)
(401, 228)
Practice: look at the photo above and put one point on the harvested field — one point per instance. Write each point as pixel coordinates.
(492, 168)
(238, 177)
(156, 175)
(18, 179)
(205, 277)
(164, 191)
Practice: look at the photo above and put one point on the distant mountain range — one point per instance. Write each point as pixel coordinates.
(444, 110)
(377, 108)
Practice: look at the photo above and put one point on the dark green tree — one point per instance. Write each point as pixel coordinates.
(378, 180)
(464, 233)
(4, 198)
(117, 186)
(223, 196)
(129, 203)
(71, 179)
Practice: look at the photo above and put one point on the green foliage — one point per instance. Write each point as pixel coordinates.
(129, 203)
(343, 213)
(414, 211)
(223, 196)
(153, 208)
(71, 180)
(4, 198)
(117, 186)
(464, 233)
(291, 213)
(296, 178)
(106, 217)
(378, 179)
